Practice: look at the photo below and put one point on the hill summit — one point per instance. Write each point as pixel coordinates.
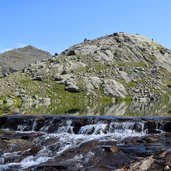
(116, 67)
(18, 59)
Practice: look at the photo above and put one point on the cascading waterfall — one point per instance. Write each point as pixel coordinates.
(136, 128)
(64, 136)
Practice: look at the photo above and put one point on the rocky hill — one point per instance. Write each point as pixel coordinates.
(17, 59)
(117, 67)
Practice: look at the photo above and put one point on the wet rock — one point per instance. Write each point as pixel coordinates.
(167, 127)
(137, 149)
(166, 168)
(167, 157)
(52, 167)
(38, 124)
(4, 146)
(151, 126)
(34, 150)
(102, 168)
(84, 143)
(151, 139)
(114, 149)
(146, 164)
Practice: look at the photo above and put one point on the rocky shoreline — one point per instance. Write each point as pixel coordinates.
(85, 143)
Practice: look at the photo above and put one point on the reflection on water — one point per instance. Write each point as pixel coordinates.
(138, 109)
(134, 108)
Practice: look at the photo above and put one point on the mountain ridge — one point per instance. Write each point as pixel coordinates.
(17, 59)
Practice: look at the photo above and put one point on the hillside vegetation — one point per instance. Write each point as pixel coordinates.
(113, 68)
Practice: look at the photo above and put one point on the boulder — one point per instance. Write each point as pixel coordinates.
(146, 164)
(71, 87)
(114, 88)
(8, 102)
(46, 101)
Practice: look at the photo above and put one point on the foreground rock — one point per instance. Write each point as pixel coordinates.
(85, 143)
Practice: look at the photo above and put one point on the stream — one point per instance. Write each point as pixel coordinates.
(52, 142)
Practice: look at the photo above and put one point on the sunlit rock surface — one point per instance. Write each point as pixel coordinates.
(115, 67)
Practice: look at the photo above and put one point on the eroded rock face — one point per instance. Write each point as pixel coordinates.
(84, 143)
(116, 65)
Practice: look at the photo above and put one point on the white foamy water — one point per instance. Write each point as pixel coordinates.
(64, 139)
(101, 132)
(32, 161)
(21, 127)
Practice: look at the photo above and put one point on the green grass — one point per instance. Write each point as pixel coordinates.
(131, 84)
(5, 108)
(61, 100)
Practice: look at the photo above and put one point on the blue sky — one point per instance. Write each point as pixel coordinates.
(55, 25)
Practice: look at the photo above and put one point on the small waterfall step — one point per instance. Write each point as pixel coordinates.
(46, 142)
(84, 124)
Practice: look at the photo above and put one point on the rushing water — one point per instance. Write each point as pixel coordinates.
(64, 138)
(31, 141)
